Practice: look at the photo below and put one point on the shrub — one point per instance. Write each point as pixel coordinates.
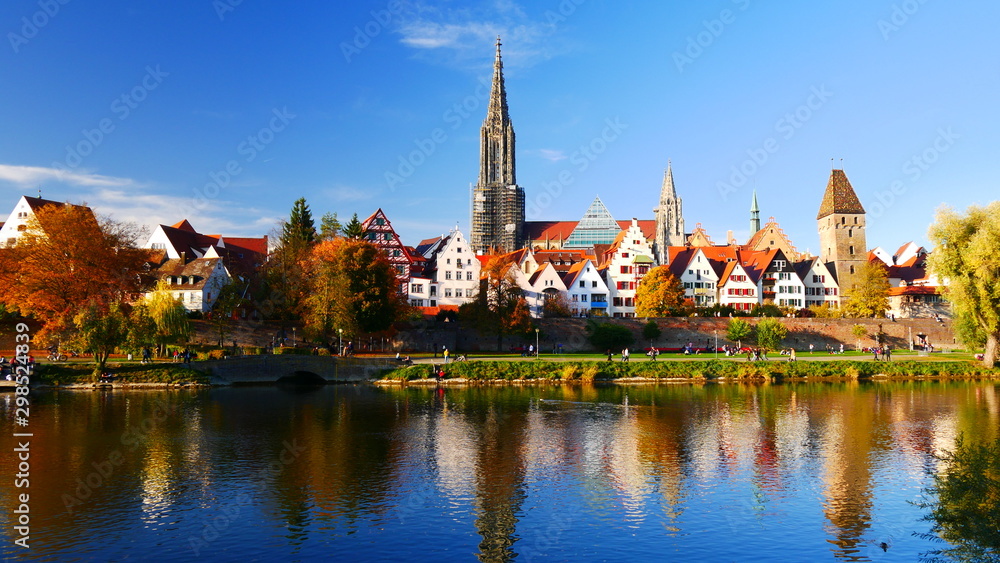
(589, 373)
(609, 336)
(570, 371)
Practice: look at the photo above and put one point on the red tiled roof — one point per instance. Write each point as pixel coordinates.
(548, 230)
(647, 226)
(913, 290)
(839, 197)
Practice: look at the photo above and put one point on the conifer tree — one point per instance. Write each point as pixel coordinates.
(353, 228)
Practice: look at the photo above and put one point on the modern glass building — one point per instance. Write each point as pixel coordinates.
(596, 227)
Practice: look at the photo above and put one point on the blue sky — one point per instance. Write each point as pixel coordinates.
(224, 112)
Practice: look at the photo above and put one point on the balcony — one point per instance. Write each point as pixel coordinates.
(598, 304)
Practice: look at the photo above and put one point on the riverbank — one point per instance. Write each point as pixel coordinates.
(125, 375)
(673, 370)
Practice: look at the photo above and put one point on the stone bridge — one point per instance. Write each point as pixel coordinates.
(293, 369)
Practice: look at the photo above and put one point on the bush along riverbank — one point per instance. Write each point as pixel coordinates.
(499, 371)
(166, 374)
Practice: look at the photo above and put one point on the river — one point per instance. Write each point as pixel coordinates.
(715, 472)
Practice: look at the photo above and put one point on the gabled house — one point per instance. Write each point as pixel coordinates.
(820, 284)
(195, 283)
(778, 281)
(624, 264)
(738, 287)
(547, 283)
(586, 289)
(23, 212)
(451, 272)
(378, 230)
(698, 275)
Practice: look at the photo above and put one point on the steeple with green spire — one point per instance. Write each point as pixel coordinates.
(754, 215)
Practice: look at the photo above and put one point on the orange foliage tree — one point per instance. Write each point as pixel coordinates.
(352, 286)
(660, 294)
(500, 306)
(67, 260)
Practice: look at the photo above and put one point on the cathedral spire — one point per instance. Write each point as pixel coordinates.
(754, 215)
(498, 94)
(667, 191)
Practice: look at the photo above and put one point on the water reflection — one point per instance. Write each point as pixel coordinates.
(795, 472)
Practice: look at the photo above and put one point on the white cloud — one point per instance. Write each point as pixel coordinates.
(31, 176)
(347, 194)
(463, 36)
(552, 155)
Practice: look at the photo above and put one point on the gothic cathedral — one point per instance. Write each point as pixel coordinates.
(497, 200)
(669, 219)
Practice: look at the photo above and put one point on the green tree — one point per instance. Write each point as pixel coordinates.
(660, 294)
(965, 255)
(651, 331)
(353, 228)
(100, 329)
(870, 296)
(767, 310)
(500, 307)
(966, 509)
(299, 230)
(770, 333)
(859, 332)
(352, 286)
(329, 226)
(738, 330)
(609, 336)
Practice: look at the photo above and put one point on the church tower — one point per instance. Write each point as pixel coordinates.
(841, 222)
(754, 215)
(669, 218)
(497, 200)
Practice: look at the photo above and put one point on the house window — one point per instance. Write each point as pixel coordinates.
(447, 275)
(468, 276)
(852, 253)
(622, 285)
(447, 261)
(593, 283)
(416, 288)
(583, 297)
(447, 292)
(583, 283)
(626, 269)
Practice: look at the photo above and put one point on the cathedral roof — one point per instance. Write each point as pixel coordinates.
(839, 196)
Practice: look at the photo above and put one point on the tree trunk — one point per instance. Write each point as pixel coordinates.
(992, 348)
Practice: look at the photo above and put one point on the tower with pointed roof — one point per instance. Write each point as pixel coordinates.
(497, 200)
(841, 223)
(754, 215)
(669, 218)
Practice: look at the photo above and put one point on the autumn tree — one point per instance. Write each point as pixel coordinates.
(230, 298)
(500, 307)
(168, 315)
(660, 294)
(859, 332)
(870, 296)
(285, 279)
(66, 260)
(556, 307)
(100, 329)
(352, 286)
(738, 331)
(770, 333)
(965, 256)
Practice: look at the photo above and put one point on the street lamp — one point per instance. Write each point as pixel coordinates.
(536, 342)
(716, 333)
(340, 342)
(293, 337)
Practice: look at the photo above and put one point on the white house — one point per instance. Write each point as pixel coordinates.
(738, 287)
(624, 265)
(17, 221)
(587, 291)
(546, 282)
(197, 283)
(779, 282)
(698, 276)
(821, 286)
(452, 270)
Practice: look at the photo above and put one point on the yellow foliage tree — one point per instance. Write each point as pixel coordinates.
(660, 294)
